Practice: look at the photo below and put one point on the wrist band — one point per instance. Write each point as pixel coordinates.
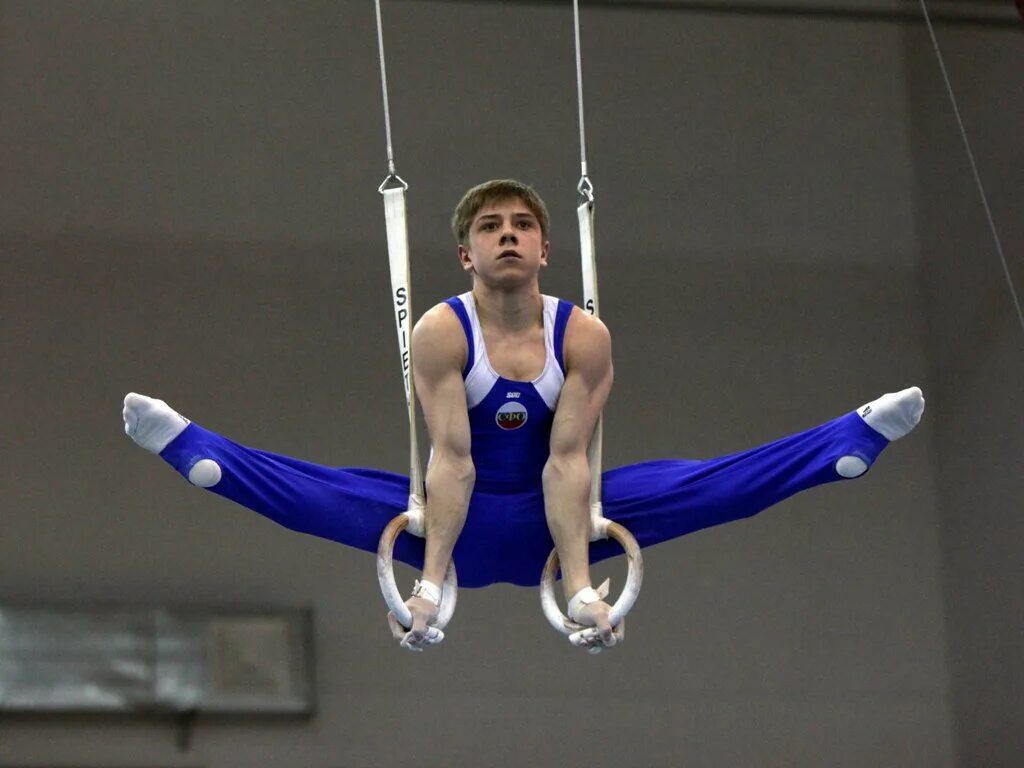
(584, 597)
(427, 590)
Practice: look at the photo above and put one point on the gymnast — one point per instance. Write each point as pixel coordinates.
(512, 383)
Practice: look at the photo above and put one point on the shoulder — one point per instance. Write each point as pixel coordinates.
(588, 343)
(439, 319)
(585, 330)
(438, 339)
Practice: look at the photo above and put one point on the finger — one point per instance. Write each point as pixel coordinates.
(620, 631)
(410, 643)
(584, 638)
(419, 623)
(397, 630)
(433, 636)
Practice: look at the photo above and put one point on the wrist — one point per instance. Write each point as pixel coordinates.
(427, 590)
(582, 598)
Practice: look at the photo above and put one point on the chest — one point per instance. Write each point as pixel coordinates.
(518, 357)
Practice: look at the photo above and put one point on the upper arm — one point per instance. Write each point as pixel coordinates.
(439, 353)
(588, 381)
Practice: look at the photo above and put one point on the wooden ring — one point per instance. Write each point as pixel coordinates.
(622, 606)
(386, 573)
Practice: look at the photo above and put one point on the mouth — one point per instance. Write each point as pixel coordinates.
(509, 255)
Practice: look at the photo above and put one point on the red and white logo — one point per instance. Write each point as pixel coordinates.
(511, 415)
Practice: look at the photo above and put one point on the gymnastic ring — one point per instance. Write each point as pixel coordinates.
(412, 519)
(630, 592)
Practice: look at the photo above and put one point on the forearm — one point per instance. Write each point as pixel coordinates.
(449, 485)
(567, 507)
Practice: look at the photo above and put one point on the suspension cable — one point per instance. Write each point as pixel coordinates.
(586, 189)
(384, 90)
(974, 165)
(393, 190)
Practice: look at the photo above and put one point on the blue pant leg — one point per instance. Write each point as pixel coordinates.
(506, 539)
(661, 500)
(348, 505)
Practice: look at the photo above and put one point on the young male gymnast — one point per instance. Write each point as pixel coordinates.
(512, 383)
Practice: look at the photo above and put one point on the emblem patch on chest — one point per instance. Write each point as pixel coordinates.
(511, 415)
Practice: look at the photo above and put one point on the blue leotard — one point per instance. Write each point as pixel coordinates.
(510, 421)
(505, 538)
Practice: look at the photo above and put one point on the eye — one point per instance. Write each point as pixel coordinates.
(488, 225)
(525, 224)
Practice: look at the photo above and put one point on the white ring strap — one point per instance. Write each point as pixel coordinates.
(401, 297)
(398, 257)
(393, 190)
(600, 527)
(591, 303)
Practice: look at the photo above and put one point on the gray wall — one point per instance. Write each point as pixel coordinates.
(189, 210)
(977, 361)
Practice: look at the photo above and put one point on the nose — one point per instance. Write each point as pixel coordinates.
(508, 235)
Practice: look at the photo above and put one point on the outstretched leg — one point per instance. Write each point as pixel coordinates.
(506, 537)
(350, 506)
(661, 500)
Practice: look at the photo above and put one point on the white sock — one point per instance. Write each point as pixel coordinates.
(151, 423)
(893, 415)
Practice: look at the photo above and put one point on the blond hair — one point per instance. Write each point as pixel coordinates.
(496, 191)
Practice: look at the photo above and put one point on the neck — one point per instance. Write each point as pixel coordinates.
(509, 310)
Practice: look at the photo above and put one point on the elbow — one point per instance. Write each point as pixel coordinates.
(563, 469)
(465, 471)
(554, 470)
(458, 467)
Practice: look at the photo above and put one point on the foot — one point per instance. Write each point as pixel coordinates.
(893, 416)
(151, 423)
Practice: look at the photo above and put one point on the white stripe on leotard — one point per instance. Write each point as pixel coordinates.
(482, 376)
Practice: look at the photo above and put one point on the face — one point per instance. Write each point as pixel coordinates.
(505, 244)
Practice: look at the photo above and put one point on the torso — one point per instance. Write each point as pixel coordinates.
(519, 356)
(513, 382)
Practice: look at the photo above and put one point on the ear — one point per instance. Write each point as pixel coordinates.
(464, 259)
(544, 251)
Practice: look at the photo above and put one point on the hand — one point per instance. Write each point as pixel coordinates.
(601, 634)
(420, 635)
